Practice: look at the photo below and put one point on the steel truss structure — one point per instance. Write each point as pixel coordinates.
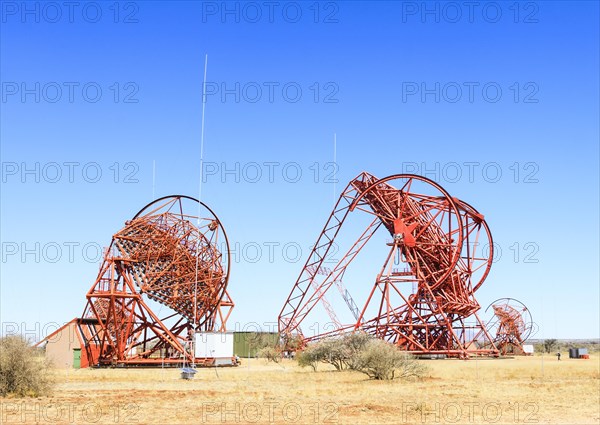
(173, 256)
(427, 305)
(512, 325)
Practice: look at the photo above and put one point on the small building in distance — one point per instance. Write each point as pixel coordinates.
(65, 347)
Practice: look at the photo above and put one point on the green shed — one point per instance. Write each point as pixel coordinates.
(247, 344)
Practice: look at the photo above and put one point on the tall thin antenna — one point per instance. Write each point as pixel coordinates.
(202, 133)
(199, 203)
(334, 166)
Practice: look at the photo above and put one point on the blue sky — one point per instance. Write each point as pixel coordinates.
(433, 88)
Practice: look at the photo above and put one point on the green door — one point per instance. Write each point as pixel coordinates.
(77, 358)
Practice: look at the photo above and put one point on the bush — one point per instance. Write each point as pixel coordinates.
(355, 344)
(381, 360)
(359, 351)
(23, 372)
(341, 353)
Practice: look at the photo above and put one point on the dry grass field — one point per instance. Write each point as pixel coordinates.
(505, 391)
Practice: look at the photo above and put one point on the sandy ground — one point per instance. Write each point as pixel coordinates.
(505, 391)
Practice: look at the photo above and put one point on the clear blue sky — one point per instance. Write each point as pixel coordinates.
(405, 86)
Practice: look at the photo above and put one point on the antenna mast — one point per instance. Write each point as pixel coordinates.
(199, 205)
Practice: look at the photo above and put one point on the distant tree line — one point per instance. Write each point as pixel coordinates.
(552, 345)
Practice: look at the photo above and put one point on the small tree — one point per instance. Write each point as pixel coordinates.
(335, 352)
(23, 372)
(310, 356)
(550, 345)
